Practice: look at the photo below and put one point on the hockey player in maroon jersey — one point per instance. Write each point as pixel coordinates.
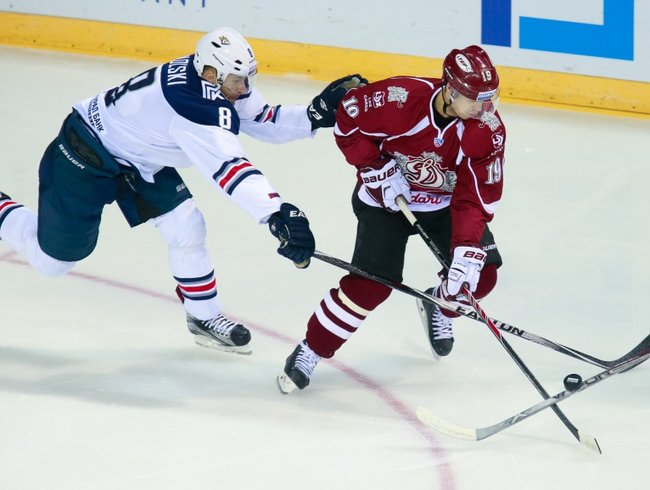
(125, 145)
(439, 143)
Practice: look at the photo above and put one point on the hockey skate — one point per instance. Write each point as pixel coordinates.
(437, 327)
(298, 369)
(221, 334)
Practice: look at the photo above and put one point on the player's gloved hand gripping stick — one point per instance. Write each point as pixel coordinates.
(584, 439)
(384, 184)
(291, 227)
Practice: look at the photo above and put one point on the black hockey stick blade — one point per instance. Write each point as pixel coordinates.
(503, 326)
(478, 434)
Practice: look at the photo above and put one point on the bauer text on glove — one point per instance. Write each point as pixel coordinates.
(465, 269)
(385, 184)
(291, 227)
(322, 110)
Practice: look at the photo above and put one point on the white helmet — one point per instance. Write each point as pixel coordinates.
(228, 52)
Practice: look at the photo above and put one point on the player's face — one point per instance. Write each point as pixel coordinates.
(466, 108)
(234, 87)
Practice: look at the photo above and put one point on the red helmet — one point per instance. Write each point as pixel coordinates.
(471, 72)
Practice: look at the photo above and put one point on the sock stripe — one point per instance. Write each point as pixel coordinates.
(6, 208)
(198, 288)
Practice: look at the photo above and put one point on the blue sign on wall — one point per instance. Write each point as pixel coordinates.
(613, 39)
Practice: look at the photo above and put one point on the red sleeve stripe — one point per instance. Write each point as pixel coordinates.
(233, 172)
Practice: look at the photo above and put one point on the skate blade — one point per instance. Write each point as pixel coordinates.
(285, 385)
(244, 350)
(425, 324)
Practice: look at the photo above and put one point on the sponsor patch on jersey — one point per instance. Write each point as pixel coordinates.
(378, 99)
(497, 140)
(94, 117)
(426, 198)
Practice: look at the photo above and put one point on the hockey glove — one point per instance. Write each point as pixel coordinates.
(291, 227)
(385, 184)
(465, 269)
(322, 110)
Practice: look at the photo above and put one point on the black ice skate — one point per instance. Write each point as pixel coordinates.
(298, 369)
(221, 334)
(437, 327)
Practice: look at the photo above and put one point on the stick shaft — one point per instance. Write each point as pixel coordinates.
(469, 313)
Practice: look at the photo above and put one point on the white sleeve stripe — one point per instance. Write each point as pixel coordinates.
(338, 132)
(422, 125)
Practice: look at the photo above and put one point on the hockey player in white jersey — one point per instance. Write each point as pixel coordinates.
(125, 144)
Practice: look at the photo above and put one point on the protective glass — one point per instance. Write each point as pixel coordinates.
(252, 76)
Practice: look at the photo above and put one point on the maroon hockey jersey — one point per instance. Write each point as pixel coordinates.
(460, 165)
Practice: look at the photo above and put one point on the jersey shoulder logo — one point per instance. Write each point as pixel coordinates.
(210, 92)
(398, 94)
(491, 120)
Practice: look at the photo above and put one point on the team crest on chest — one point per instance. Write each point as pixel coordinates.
(426, 171)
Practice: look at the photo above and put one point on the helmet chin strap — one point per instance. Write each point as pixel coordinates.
(444, 102)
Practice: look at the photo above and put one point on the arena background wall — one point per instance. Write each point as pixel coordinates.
(591, 55)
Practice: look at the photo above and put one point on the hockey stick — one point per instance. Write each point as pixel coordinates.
(471, 434)
(503, 326)
(584, 439)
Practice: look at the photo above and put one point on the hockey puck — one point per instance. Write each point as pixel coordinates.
(572, 382)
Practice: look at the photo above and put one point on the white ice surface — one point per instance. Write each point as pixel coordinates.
(102, 387)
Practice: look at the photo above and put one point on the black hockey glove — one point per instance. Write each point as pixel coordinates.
(291, 227)
(322, 110)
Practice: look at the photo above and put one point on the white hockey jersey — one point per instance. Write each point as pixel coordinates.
(168, 116)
